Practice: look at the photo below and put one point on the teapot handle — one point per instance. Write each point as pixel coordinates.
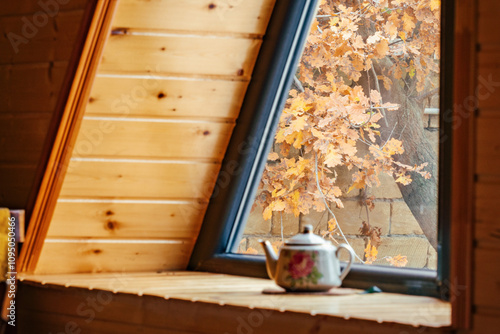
(349, 263)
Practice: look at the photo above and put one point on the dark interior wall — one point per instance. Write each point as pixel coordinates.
(36, 43)
(486, 265)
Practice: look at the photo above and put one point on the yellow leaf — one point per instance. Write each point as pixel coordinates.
(402, 35)
(279, 205)
(408, 24)
(251, 250)
(268, 213)
(398, 260)
(299, 138)
(435, 4)
(277, 192)
(273, 156)
(298, 124)
(382, 48)
(371, 253)
(332, 224)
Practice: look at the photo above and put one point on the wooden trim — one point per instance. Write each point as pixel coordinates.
(98, 34)
(60, 106)
(460, 281)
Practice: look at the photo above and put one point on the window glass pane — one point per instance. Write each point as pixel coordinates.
(356, 151)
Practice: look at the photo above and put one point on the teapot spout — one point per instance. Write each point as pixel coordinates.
(271, 258)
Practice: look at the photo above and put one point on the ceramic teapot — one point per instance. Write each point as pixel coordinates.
(307, 262)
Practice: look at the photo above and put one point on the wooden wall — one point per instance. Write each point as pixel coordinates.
(36, 43)
(161, 111)
(486, 269)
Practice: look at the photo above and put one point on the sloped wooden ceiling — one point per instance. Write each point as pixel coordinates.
(154, 132)
(34, 57)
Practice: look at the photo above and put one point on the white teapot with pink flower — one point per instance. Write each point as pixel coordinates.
(307, 262)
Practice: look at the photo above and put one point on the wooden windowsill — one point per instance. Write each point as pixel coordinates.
(219, 303)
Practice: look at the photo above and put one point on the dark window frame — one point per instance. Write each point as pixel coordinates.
(253, 135)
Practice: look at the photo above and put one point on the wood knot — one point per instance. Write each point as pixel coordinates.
(96, 251)
(161, 95)
(212, 6)
(111, 225)
(119, 31)
(109, 213)
(206, 133)
(240, 72)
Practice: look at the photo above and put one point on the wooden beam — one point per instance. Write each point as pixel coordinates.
(462, 165)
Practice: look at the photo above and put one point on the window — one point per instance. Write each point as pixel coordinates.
(254, 137)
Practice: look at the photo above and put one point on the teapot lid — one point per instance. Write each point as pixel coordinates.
(306, 238)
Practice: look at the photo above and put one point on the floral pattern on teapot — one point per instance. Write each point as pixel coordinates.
(301, 268)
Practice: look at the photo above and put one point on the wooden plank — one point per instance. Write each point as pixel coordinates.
(53, 41)
(168, 296)
(488, 21)
(108, 219)
(30, 7)
(137, 179)
(16, 181)
(157, 138)
(487, 277)
(247, 17)
(46, 322)
(30, 88)
(488, 86)
(89, 256)
(156, 96)
(488, 146)
(487, 220)
(22, 136)
(181, 54)
(486, 321)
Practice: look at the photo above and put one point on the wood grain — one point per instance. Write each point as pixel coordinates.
(22, 136)
(158, 138)
(108, 179)
(52, 41)
(487, 220)
(30, 87)
(227, 297)
(99, 23)
(206, 16)
(488, 85)
(487, 277)
(16, 181)
(156, 96)
(111, 219)
(180, 54)
(487, 21)
(28, 8)
(89, 256)
(488, 146)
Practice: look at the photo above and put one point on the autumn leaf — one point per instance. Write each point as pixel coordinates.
(273, 156)
(435, 4)
(250, 250)
(332, 224)
(371, 253)
(408, 22)
(382, 48)
(398, 260)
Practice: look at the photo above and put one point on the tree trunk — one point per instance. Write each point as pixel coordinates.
(420, 194)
